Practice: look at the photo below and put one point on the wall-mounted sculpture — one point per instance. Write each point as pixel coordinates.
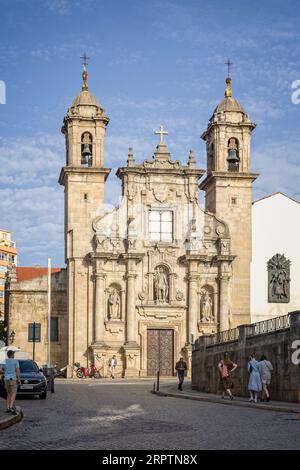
(161, 285)
(206, 307)
(278, 279)
(114, 304)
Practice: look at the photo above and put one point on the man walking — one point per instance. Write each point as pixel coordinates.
(112, 365)
(180, 367)
(11, 379)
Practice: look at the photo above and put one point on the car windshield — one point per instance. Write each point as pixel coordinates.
(28, 366)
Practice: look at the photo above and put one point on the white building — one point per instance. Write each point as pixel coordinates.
(275, 230)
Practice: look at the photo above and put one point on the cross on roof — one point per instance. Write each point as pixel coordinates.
(85, 59)
(229, 64)
(161, 132)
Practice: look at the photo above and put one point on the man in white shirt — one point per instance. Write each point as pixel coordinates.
(112, 365)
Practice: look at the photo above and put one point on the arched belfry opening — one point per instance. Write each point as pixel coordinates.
(233, 158)
(86, 149)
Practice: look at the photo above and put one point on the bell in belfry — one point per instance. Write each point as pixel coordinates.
(86, 155)
(232, 156)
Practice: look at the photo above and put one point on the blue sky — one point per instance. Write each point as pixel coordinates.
(152, 62)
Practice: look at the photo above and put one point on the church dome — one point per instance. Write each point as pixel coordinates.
(229, 104)
(85, 98)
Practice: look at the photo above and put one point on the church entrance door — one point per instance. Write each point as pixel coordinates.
(160, 347)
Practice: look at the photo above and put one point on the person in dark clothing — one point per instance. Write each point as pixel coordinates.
(180, 367)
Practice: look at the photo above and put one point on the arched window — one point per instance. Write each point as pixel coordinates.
(86, 149)
(233, 158)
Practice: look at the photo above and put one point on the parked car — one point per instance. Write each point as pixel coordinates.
(33, 381)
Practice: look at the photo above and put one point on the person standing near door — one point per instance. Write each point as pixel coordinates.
(180, 367)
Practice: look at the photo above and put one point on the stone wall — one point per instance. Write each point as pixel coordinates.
(27, 302)
(277, 345)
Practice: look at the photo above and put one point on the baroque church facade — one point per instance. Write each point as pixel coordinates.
(146, 279)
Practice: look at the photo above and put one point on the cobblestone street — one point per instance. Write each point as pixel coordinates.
(124, 415)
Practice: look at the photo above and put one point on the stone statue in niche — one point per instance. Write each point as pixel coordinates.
(161, 285)
(279, 279)
(114, 303)
(206, 308)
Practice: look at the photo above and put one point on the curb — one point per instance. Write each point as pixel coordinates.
(8, 421)
(227, 402)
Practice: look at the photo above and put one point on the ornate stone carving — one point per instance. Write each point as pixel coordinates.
(161, 285)
(279, 279)
(206, 307)
(179, 295)
(114, 305)
(142, 295)
(160, 193)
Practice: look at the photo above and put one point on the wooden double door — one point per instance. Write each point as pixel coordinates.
(160, 352)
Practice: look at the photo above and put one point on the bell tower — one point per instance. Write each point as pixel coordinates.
(228, 194)
(83, 178)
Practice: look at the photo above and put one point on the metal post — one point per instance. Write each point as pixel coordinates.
(157, 381)
(49, 313)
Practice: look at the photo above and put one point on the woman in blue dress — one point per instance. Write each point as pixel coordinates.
(254, 385)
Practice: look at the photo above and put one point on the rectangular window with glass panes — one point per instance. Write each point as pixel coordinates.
(161, 226)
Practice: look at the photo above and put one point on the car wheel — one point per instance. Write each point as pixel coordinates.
(43, 395)
(97, 375)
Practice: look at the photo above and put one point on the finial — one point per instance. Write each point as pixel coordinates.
(85, 59)
(228, 91)
(161, 132)
(130, 160)
(192, 159)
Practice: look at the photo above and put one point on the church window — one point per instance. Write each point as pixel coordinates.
(161, 226)
(54, 329)
(86, 149)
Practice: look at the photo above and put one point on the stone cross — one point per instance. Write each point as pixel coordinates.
(161, 132)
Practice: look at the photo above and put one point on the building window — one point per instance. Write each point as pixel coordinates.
(3, 257)
(3, 269)
(34, 332)
(54, 329)
(1, 294)
(2, 282)
(161, 226)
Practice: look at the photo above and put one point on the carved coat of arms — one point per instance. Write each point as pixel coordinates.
(279, 279)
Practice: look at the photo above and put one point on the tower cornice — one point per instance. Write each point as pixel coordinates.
(70, 170)
(223, 175)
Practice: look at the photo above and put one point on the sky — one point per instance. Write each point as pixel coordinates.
(152, 62)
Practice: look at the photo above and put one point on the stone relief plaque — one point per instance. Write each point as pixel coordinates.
(278, 279)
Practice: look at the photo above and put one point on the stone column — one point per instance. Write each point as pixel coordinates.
(223, 302)
(130, 309)
(193, 302)
(100, 307)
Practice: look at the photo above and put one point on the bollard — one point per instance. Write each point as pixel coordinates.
(157, 381)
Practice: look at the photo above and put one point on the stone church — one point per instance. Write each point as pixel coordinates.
(146, 279)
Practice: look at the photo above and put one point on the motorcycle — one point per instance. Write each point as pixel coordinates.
(83, 372)
(60, 372)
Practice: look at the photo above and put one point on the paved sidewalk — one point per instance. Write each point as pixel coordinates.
(170, 390)
(8, 419)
